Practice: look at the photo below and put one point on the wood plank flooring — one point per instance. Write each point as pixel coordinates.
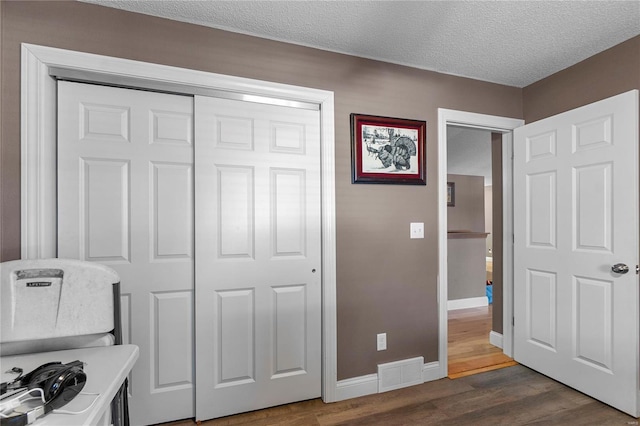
(469, 350)
(510, 396)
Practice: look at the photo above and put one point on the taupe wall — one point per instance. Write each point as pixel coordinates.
(468, 212)
(466, 258)
(385, 281)
(614, 71)
(467, 268)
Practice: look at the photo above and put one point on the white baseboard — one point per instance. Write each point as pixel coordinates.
(357, 386)
(431, 371)
(471, 302)
(496, 339)
(368, 385)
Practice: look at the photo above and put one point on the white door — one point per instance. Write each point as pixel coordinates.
(575, 216)
(125, 199)
(258, 295)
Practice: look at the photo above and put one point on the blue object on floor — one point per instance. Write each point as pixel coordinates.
(490, 293)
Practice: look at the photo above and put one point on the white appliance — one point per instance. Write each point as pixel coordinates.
(56, 304)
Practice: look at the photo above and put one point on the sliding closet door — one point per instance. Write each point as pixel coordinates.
(125, 199)
(258, 283)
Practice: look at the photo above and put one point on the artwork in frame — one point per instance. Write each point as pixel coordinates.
(451, 194)
(387, 150)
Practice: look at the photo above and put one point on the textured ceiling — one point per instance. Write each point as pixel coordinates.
(509, 42)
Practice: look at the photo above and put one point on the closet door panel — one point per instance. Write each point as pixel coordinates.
(125, 199)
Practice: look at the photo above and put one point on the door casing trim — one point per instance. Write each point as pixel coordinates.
(38, 153)
(497, 124)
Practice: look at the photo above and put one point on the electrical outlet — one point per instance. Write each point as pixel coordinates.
(382, 341)
(417, 230)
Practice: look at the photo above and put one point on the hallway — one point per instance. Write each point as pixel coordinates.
(469, 349)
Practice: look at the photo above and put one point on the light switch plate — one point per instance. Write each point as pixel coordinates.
(382, 341)
(417, 230)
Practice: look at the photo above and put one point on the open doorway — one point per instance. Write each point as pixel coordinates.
(473, 170)
(505, 127)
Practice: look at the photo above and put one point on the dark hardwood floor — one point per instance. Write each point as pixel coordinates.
(508, 396)
(511, 395)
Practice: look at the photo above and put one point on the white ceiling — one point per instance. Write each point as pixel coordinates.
(509, 42)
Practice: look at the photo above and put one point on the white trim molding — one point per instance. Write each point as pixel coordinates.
(431, 371)
(368, 385)
(500, 125)
(38, 144)
(356, 387)
(469, 302)
(496, 339)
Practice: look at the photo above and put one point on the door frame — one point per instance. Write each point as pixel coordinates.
(496, 124)
(40, 65)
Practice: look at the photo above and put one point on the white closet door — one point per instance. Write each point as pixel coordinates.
(258, 283)
(125, 199)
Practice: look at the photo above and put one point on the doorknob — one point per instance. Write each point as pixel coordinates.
(620, 268)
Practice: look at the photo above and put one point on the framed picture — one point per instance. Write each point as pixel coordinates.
(451, 194)
(387, 150)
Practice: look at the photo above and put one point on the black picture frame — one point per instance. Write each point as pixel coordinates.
(387, 150)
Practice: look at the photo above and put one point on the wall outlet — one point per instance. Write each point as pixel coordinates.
(382, 341)
(417, 230)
